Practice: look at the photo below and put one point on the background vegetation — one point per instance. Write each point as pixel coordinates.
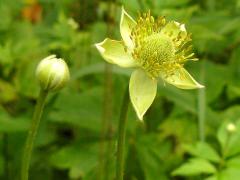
(184, 134)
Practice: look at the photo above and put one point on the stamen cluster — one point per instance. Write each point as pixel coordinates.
(160, 46)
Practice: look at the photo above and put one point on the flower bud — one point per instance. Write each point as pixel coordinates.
(52, 73)
(231, 128)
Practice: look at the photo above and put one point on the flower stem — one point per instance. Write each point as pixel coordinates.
(106, 124)
(6, 156)
(201, 106)
(121, 136)
(106, 138)
(32, 134)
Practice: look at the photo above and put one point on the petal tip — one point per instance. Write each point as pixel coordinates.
(200, 86)
(142, 91)
(123, 11)
(126, 25)
(122, 15)
(140, 116)
(177, 23)
(99, 46)
(194, 59)
(182, 27)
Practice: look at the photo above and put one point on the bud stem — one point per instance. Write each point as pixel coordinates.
(32, 134)
(121, 136)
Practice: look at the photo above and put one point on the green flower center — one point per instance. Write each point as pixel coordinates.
(156, 51)
(160, 48)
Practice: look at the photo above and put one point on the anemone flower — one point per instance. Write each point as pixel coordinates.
(155, 49)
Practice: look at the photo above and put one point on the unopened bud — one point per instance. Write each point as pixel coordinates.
(52, 73)
(231, 128)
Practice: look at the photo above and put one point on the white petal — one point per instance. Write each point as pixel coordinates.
(126, 25)
(142, 91)
(182, 79)
(113, 52)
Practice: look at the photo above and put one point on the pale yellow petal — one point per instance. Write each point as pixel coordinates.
(113, 52)
(182, 79)
(175, 30)
(142, 91)
(126, 25)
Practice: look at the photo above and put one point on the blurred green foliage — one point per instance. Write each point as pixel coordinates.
(71, 139)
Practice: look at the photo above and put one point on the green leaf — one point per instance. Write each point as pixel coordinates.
(142, 91)
(229, 142)
(79, 158)
(26, 74)
(97, 68)
(8, 92)
(233, 89)
(187, 100)
(233, 162)
(222, 135)
(212, 178)
(195, 166)
(213, 84)
(229, 174)
(73, 108)
(153, 156)
(184, 99)
(203, 150)
(9, 124)
(169, 126)
(230, 26)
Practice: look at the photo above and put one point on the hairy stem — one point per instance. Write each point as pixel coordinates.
(32, 134)
(121, 136)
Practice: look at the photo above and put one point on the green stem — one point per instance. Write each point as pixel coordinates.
(201, 107)
(106, 124)
(32, 134)
(106, 140)
(6, 156)
(121, 136)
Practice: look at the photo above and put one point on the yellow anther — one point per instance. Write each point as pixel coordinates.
(157, 51)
